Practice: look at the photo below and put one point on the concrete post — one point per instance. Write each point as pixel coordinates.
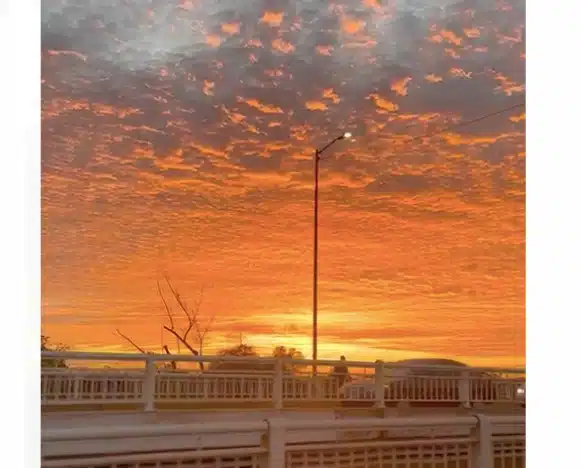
(379, 385)
(464, 390)
(482, 452)
(77, 388)
(275, 443)
(278, 385)
(149, 386)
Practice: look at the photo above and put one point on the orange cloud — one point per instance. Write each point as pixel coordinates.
(208, 150)
(472, 32)
(265, 108)
(421, 117)
(71, 53)
(231, 28)
(508, 86)
(458, 72)
(316, 106)
(272, 18)
(254, 43)
(451, 37)
(324, 50)
(214, 40)
(516, 38)
(458, 140)
(282, 46)
(383, 104)
(351, 26)
(400, 86)
(273, 73)
(433, 78)
(208, 88)
(362, 42)
(375, 4)
(517, 118)
(234, 117)
(330, 94)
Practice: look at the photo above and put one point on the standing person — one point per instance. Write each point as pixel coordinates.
(341, 372)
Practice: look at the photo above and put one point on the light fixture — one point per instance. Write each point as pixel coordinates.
(347, 135)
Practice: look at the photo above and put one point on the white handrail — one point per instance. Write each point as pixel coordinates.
(273, 440)
(91, 356)
(152, 385)
(145, 430)
(382, 423)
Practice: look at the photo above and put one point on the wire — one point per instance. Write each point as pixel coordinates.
(466, 123)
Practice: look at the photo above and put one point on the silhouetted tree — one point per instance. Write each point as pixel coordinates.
(187, 328)
(240, 350)
(46, 346)
(293, 353)
(245, 350)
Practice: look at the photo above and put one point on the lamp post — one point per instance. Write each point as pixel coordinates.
(317, 156)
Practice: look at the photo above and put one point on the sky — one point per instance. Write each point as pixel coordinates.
(178, 139)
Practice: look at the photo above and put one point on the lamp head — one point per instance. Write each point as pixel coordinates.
(347, 135)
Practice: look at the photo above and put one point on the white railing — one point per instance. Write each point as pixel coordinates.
(454, 441)
(376, 384)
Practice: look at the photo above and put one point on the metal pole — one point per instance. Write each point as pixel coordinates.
(315, 278)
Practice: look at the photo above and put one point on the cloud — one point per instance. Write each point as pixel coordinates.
(316, 106)
(272, 18)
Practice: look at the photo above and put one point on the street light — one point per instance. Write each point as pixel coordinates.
(317, 155)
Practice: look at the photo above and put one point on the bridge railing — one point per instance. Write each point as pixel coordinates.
(280, 381)
(477, 441)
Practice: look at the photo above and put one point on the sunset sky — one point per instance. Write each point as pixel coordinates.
(178, 138)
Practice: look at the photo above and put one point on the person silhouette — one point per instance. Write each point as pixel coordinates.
(341, 372)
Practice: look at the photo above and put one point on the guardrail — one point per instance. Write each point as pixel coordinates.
(377, 384)
(452, 442)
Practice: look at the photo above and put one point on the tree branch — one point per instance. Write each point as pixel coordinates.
(208, 325)
(177, 297)
(185, 343)
(168, 311)
(191, 316)
(130, 341)
(182, 340)
(172, 363)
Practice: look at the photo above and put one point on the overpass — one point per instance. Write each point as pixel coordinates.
(145, 415)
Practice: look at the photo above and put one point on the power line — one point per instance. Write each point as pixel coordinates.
(467, 122)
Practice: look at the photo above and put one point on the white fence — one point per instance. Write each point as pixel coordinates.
(377, 384)
(423, 442)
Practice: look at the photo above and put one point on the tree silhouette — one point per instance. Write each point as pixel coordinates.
(240, 350)
(293, 353)
(50, 362)
(192, 334)
(246, 350)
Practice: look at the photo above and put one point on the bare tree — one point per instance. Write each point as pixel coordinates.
(193, 335)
